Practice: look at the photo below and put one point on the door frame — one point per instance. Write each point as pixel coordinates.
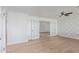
(4, 28)
(49, 26)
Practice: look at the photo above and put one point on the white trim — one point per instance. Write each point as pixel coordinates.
(34, 38)
(17, 42)
(73, 37)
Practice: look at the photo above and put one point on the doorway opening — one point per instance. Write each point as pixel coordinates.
(44, 30)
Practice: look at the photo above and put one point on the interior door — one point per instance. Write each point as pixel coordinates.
(35, 29)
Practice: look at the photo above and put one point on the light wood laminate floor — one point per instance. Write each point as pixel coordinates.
(46, 44)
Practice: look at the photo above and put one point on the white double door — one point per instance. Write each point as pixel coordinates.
(35, 29)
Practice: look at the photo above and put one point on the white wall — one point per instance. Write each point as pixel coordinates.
(69, 26)
(44, 26)
(18, 28)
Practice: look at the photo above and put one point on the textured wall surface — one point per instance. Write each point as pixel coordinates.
(69, 26)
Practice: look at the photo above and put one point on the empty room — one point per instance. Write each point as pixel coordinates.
(39, 29)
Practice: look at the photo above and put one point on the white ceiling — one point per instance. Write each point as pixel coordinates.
(43, 11)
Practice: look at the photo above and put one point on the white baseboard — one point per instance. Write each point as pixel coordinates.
(72, 37)
(35, 38)
(17, 42)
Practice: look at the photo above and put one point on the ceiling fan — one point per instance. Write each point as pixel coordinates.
(65, 14)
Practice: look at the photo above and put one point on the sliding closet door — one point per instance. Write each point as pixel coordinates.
(35, 29)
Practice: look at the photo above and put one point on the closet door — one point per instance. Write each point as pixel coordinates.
(35, 29)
